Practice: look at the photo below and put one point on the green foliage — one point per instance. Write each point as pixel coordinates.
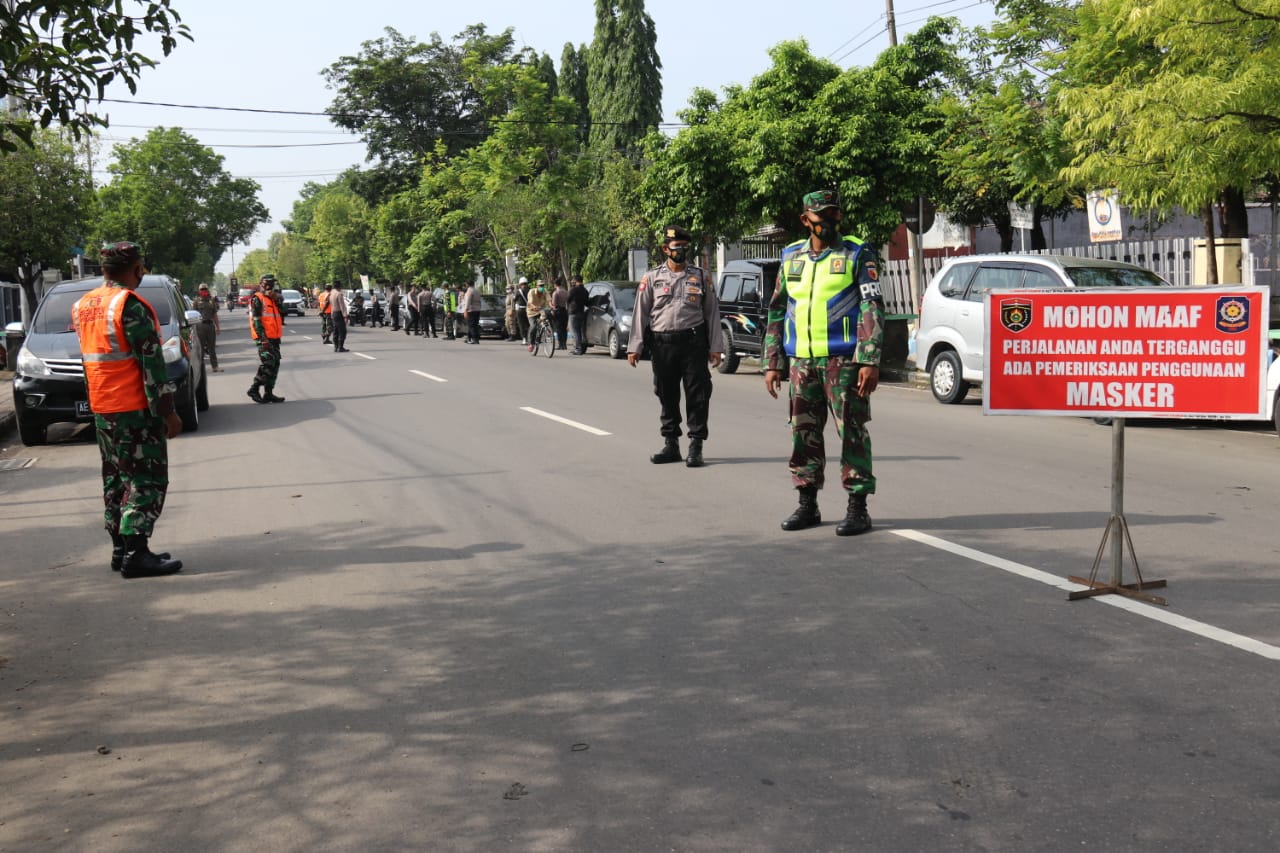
(340, 236)
(1173, 101)
(405, 96)
(45, 200)
(624, 75)
(572, 82)
(172, 195)
(805, 124)
(56, 57)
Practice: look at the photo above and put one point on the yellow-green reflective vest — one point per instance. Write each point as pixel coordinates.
(823, 299)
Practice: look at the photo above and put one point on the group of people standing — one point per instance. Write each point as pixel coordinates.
(824, 332)
(526, 302)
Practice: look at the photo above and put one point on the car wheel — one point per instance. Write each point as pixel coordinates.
(202, 393)
(616, 349)
(32, 432)
(729, 364)
(187, 408)
(946, 379)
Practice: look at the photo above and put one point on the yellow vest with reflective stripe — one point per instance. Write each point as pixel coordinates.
(823, 300)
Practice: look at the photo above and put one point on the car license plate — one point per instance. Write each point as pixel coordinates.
(82, 409)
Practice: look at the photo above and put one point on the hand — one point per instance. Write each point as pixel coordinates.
(632, 358)
(773, 382)
(172, 424)
(715, 358)
(868, 380)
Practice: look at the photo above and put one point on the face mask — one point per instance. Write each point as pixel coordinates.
(542, 290)
(826, 230)
(678, 255)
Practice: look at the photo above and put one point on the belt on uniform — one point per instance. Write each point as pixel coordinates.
(683, 333)
(209, 322)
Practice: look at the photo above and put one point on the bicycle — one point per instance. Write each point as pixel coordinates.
(542, 337)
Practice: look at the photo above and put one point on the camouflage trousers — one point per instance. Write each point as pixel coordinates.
(326, 326)
(268, 363)
(819, 386)
(135, 470)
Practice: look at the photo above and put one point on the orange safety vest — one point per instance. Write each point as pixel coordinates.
(323, 298)
(113, 373)
(271, 323)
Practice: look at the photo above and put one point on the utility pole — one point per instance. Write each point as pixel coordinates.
(915, 254)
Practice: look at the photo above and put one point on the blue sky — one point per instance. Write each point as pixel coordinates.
(268, 55)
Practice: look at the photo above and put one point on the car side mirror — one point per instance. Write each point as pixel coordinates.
(192, 316)
(15, 327)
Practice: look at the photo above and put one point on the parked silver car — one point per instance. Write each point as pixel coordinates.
(949, 341)
(609, 308)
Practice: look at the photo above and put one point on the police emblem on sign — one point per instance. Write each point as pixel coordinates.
(1232, 315)
(1015, 314)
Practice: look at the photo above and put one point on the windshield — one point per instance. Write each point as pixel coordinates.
(1114, 277)
(492, 303)
(54, 316)
(626, 299)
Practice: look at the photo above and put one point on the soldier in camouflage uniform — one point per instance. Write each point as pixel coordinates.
(209, 326)
(130, 394)
(827, 317)
(265, 321)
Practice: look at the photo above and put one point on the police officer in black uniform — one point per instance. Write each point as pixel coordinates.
(677, 317)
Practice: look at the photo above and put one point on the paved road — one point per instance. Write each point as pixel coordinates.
(417, 615)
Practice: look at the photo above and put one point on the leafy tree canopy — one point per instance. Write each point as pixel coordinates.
(56, 57)
(172, 195)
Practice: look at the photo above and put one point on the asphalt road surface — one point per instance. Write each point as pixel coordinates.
(440, 600)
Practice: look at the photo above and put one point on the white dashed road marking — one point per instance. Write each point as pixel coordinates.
(428, 376)
(1158, 614)
(564, 421)
(362, 355)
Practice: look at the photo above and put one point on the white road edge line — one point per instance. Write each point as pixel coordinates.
(362, 355)
(1173, 620)
(429, 376)
(564, 421)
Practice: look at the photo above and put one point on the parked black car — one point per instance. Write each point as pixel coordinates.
(745, 289)
(610, 305)
(493, 316)
(49, 385)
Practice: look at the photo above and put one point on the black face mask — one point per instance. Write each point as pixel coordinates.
(678, 255)
(826, 230)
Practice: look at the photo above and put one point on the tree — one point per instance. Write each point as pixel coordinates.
(1176, 103)
(624, 75)
(55, 58)
(573, 84)
(339, 233)
(170, 194)
(46, 198)
(403, 96)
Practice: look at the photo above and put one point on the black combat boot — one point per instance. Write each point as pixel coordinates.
(270, 396)
(254, 395)
(856, 519)
(117, 551)
(694, 459)
(806, 515)
(670, 452)
(139, 562)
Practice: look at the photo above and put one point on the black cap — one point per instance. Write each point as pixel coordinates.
(675, 232)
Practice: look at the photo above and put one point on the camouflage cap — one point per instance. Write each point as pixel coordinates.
(675, 232)
(120, 255)
(821, 200)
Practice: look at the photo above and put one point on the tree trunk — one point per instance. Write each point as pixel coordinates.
(1211, 262)
(1038, 243)
(1235, 216)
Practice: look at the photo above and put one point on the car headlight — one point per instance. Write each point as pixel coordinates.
(172, 350)
(624, 322)
(30, 364)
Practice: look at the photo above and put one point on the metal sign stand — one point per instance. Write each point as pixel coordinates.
(1118, 527)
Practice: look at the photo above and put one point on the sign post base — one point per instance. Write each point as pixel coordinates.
(1118, 525)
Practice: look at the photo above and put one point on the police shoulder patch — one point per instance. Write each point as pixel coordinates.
(870, 290)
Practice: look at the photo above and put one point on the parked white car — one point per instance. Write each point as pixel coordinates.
(1273, 381)
(949, 340)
